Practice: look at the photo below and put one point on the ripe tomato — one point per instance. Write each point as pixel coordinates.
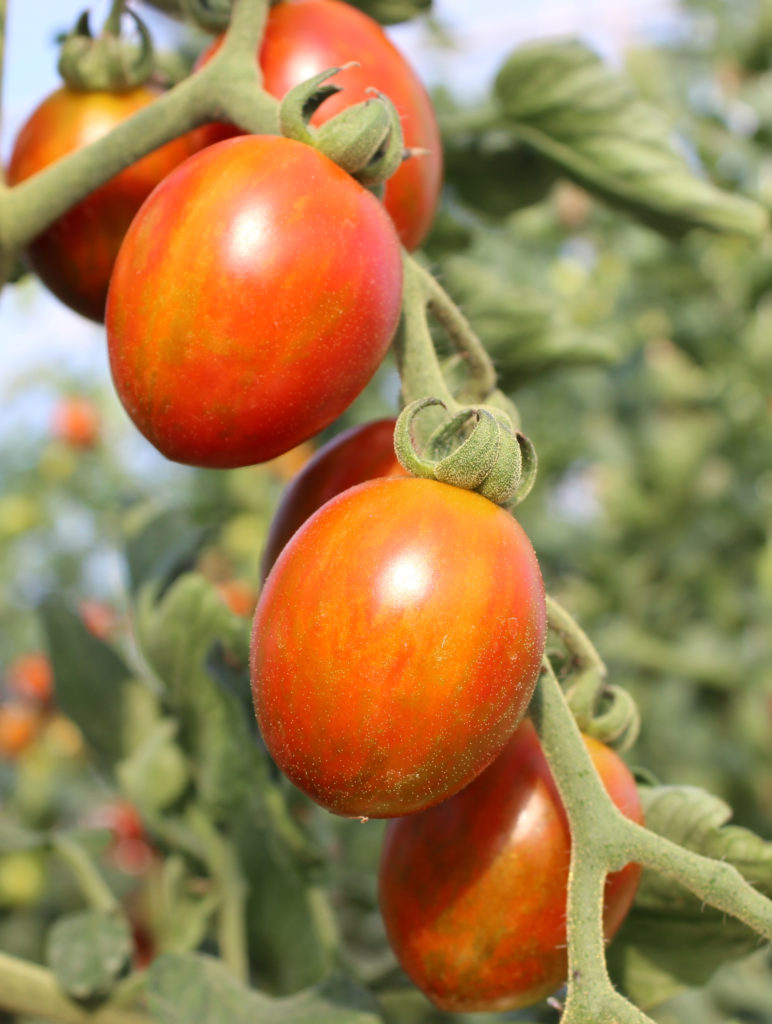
(361, 453)
(239, 596)
(74, 257)
(473, 892)
(307, 36)
(396, 645)
(19, 727)
(30, 677)
(76, 422)
(254, 296)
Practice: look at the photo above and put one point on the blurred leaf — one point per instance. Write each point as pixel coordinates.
(566, 103)
(390, 12)
(88, 951)
(177, 635)
(90, 680)
(496, 174)
(155, 774)
(187, 987)
(163, 547)
(670, 940)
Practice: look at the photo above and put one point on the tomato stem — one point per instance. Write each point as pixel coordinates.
(113, 20)
(93, 887)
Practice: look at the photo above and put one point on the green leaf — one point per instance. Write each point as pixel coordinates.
(88, 951)
(155, 774)
(90, 680)
(177, 635)
(162, 547)
(183, 988)
(574, 110)
(390, 12)
(670, 940)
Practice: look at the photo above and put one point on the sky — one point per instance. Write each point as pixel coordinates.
(41, 338)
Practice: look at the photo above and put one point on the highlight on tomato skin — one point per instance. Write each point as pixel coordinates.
(361, 453)
(312, 269)
(74, 257)
(305, 37)
(473, 891)
(396, 645)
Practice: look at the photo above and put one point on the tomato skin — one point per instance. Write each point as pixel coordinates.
(307, 36)
(361, 453)
(473, 891)
(396, 645)
(253, 299)
(74, 257)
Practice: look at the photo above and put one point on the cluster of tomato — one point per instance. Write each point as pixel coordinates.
(401, 627)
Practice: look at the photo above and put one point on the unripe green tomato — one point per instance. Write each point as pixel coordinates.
(473, 891)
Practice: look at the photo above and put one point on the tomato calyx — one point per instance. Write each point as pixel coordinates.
(213, 15)
(477, 448)
(364, 139)
(108, 62)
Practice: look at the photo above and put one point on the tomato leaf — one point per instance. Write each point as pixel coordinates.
(671, 940)
(566, 103)
(163, 547)
(188, 987)
(88, 951)
(177, 635)
(90, 680)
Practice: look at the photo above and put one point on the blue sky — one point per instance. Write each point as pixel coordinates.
(41, 337)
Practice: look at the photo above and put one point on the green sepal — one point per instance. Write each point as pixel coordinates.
(107, 62)
(490, 458)
(212, 15)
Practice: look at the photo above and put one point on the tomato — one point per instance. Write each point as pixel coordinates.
(239, 596)
(30, 676)
(361, 453)
(74, 257)
(306, 37)
(396, 645)
(19, 727)
(76, 422)
(473, 892)
(98, 618)
(254, 296)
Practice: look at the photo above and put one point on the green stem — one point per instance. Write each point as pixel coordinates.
(30, 990)
(95, 890)
(113, 20)
(225, 870)
(419, 368)
(482, 375)
(574, 637)
(604, 840)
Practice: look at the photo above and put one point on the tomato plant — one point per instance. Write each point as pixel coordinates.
(74, 257)
(400, 602)
(473, 891)
(311, 268)
(358, 454)
(304, 38)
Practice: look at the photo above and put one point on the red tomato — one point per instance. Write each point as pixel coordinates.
(361, 453)
(98, 618)
(19, 727)
(74, 257)
(307, 36)
(30, 676)
(254, 296)
(396, 645)
(473, 892)
(239, 596)
(76, 422)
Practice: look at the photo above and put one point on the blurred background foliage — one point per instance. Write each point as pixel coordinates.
(641, 363)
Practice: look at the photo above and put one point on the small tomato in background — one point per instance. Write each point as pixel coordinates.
(239, 596)
(74, 257)
(31, 677)
(308, 36)
(312, 271)
(76, 421)
(396, 645)
(473, 891)
(130, 851)
(19, 728)
(361, 453)
(98, 618)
